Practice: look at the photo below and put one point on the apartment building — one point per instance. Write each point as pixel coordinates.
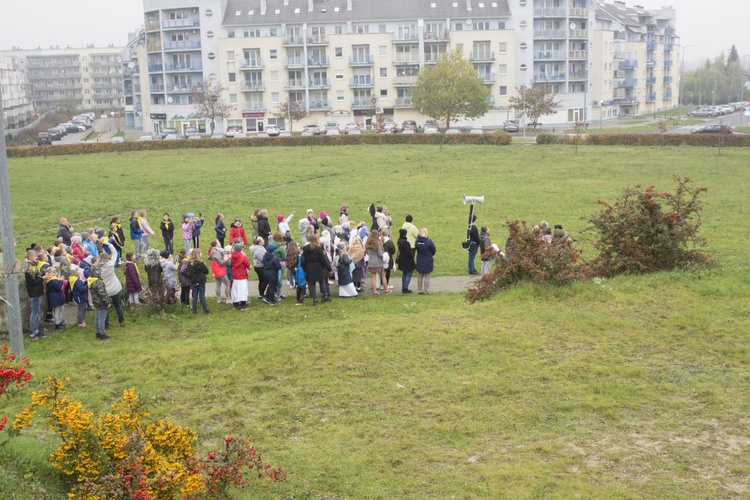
(87, 78)
(16, 102)
(352, 60)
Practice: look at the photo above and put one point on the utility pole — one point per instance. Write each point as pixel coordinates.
(12, 300)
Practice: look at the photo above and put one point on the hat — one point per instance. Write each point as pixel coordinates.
(310, 210)
(228, 248)
(185, 216)
(323, 215)
(340, 245)
(279, 218)
(345, 225)
(237, 247)
(164, 254)
(344, 208)
(270, 248)
(191, 215)
(85, 235)
(236, 219)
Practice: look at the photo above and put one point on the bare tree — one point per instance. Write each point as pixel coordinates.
(291, 111)
(208, 102)
(534, 101)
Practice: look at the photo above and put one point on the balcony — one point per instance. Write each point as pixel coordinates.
(577, 75)
(627, 101)
(137, 88)
(153, 68)
(668, 95)
(295, 83)
(578, 34)
(667, 80)
(253, 86)
(138, 106)
(626, 83)
(319, 105)
(319, 83)
(578, 12)
(184, 66)
(404, 81)
(361, 60)
(365, 103)
(405, 38)
(362, 81)
(153, 47)
(651, 80)
(317, 40)
(553, 55)
(401, 102)
(253, 107)
(317, 62)
(668, 47)
(549, 77)
(578, 54)
(650, 45)
(550, 12)
(650, 63)
(668, 63)
(152, 25)
(189, 22)
(294, 62)
(432, 58)
(482, 56)
(182, 44)
(180, 88)
(253, 63)
(432, 36)
(406, 60)
(651, 98)
(156, 87)
(550, 34)
(628, 64)
(292, 41)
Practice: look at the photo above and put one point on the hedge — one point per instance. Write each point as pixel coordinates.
(493, 139)
(703, 140)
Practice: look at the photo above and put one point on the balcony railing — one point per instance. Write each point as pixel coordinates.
(668, 47)
(253, 107)
(406, 59)
(292, 62)
(667, 79)
(152, 68)
(627, 83)
(441, 36)
(253, 63)
(153, 25)
(551, 55)
(317, 40)
(577, 75)
(363, 104)
(578, 12)
(181, 44)
(668, 63)
(550, 34)
(550, 12)
(293, 40)
(319, 82)
(317, 61)
(319, 105)
(361, 60)
(668, 95)
(627, 101)
(156, 87)
(402, 102)
(651, 80)
(153, 47)
(295, 83)
(651, 98)
(184, 66)
(405, 81)
(548, 77)
(628, 63)
(412, 37)
(361, 81)
(578, 34)
(578, 54)
(176, 87)
(253, 86)
(180, 23)
(482, 56)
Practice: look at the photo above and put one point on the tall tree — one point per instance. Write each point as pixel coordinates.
(450, 89)
(208, 101)
(291, 111)
(534, 102)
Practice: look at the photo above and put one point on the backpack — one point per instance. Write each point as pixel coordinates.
(300, 275)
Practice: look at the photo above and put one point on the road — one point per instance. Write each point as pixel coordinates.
(107, 126)
(734, 120)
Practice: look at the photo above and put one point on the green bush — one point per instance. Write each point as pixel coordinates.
(703, 140)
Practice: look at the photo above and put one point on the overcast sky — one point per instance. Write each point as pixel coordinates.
(711, 26)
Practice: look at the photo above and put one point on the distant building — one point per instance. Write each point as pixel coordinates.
(14, 88)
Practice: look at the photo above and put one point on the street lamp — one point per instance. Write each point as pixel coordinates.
(682, 72)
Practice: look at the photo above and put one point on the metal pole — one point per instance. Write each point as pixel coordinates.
(682, 72)
(12, 300)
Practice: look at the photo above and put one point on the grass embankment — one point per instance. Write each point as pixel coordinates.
(637, 386)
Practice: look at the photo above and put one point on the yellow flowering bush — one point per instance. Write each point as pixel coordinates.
(122, 455)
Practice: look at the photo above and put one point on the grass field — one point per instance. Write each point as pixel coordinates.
(632, 387)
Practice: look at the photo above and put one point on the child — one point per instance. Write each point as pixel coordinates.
(80, 288)
(219, 269)
(197, 225)
(237, 231)
(271, 268)
(220, 228)
(230, 276)
(167, 232)
(182, 265)
(197, 272)
(55, 296)
(187, 231)
(132, 282)
(240, 265)
(292, 252)
(169, 271)
(101, 301)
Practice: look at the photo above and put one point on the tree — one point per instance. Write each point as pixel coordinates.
(534, 101)
(290, 110)
(450, 89)
(209, 103)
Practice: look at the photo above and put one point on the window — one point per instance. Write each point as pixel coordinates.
(211, 56)
(384, 93)
(272, 32)
(381, 28)
(275, 97)
(502, 69)
(482, 25)
(274, 76)
(339, 95)
(232, 77)
(502, 47)
(339, 74)
(383, 72)
(361, 29)
(274, 54)
(232, 98)
(230, 55)
(339, 30)
(503, 90)
(338, 52)
(382, 50)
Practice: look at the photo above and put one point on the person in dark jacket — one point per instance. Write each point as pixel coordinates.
(425, 261)
(55, 296)
(220, 228)
(80, 288)
(271, 268)
(405, 260)
(136, 233)
(197, 225)
(117, 238)
(182, 271)
(473, 244)
(33, 270)
(264, 227)
(100, 299)
(65, 231)
(316, 265)
(167, 233)
(197, 273)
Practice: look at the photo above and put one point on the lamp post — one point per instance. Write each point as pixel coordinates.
(682, 72)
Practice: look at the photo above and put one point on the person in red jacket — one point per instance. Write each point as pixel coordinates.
(219, 269)
(236, 231)
(240, 265)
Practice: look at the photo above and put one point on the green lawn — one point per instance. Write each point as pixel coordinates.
(633, 387)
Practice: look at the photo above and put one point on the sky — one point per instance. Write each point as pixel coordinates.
(710, 26)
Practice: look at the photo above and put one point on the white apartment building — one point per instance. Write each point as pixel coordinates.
(16, 102)
(350, 60)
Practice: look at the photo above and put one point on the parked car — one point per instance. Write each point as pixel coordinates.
(355, 131)
(452, 131)
(168, 131)
(145, 138)
(511, 126)
(71, 128)
(351, 126)
(333, 131)
(713, 129)
(409, 124)
(118, 139)
(273, 131)
(429, 129)
(409, 130)
(189, 132)
(240, 135)
(431, 124)
(63, 130)
(171, 137)
(725, 109)
(55, 134)
(312, 129)
(332, 126)
(476, 131)
(232, 130)
(390, 127)
(704, 112)
(43, 139)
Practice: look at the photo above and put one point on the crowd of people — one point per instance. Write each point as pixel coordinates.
(79, 268)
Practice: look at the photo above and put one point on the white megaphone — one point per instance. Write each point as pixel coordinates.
(473, 199)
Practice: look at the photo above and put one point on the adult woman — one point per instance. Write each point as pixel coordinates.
(111, 283)
(357, 253)
(374, 249)
(197, 271)
(117, 237)
(390, 249)
(425, 249)
(220, 228)
(405, 260)
(317, 267)
(342, 261)
(264, 227)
